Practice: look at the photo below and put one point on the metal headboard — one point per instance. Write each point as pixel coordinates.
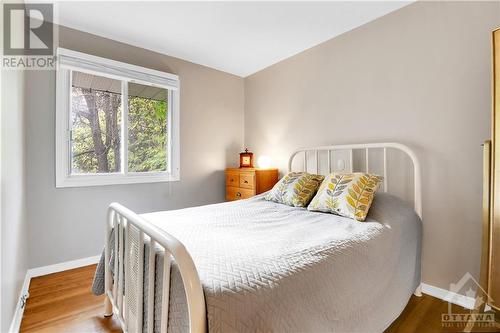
(367, 147)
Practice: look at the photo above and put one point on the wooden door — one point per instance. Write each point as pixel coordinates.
(494, 242)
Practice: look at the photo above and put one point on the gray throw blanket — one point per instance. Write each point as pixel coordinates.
(178, 319)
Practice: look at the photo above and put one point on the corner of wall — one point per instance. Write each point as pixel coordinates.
(13, 228)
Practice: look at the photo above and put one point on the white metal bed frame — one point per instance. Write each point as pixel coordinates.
(132, 232)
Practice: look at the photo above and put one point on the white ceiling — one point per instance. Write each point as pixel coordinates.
(236, 37)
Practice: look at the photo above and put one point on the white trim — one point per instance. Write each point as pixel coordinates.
(40, 271)
(63, 81)
(63, 266)
(448, 296)
(15, 324)
(115, 179)
(124, 128)
(442, 294)
(68, 60)
(174, 123)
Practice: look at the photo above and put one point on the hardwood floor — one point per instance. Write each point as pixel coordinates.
(62, 302)
(423, 314)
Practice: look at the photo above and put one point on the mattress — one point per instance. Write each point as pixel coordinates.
(269, 267)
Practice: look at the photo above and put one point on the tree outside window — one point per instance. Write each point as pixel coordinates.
(96, 126)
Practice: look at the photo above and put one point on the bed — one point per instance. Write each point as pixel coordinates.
(259, 266)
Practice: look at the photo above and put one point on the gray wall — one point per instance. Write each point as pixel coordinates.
(426, 66)
(67, 224)
(420, 76)
(13, 231)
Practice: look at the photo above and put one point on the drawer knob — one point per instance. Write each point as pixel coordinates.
(245, 181)
(238, 194)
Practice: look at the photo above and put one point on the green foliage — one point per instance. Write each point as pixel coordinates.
(83, 148)
(147, 135)
(82, 142)
(147, 132)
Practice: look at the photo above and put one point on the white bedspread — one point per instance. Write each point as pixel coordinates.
(267, 267)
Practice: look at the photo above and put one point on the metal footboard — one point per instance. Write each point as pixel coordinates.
(125, 294)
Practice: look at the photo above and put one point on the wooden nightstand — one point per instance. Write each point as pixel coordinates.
(242, 183)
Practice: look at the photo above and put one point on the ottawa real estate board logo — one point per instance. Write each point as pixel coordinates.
(28, 36)
(478, 316)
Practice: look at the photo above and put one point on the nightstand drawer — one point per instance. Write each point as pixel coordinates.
(237, 193)
(232, 179)
(243, 183)
(247, 180)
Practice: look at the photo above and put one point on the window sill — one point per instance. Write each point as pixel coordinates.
(114, 179)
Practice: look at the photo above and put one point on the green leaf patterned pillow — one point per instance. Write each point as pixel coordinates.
(295, 189)
(346, 194)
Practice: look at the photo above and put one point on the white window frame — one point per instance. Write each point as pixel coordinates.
(69, 60)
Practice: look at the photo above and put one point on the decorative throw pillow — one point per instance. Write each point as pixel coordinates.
(346, 194)
(295, 189)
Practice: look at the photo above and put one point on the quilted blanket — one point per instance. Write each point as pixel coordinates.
(268, 267)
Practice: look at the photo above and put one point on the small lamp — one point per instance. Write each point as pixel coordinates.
(264, 162)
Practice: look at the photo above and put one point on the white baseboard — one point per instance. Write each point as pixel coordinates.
(448, 296)
(63, 266)
(18, 313)
(40, 271)
(443, 294)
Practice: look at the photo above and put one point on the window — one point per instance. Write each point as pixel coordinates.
(95, 124)
(116, 123)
